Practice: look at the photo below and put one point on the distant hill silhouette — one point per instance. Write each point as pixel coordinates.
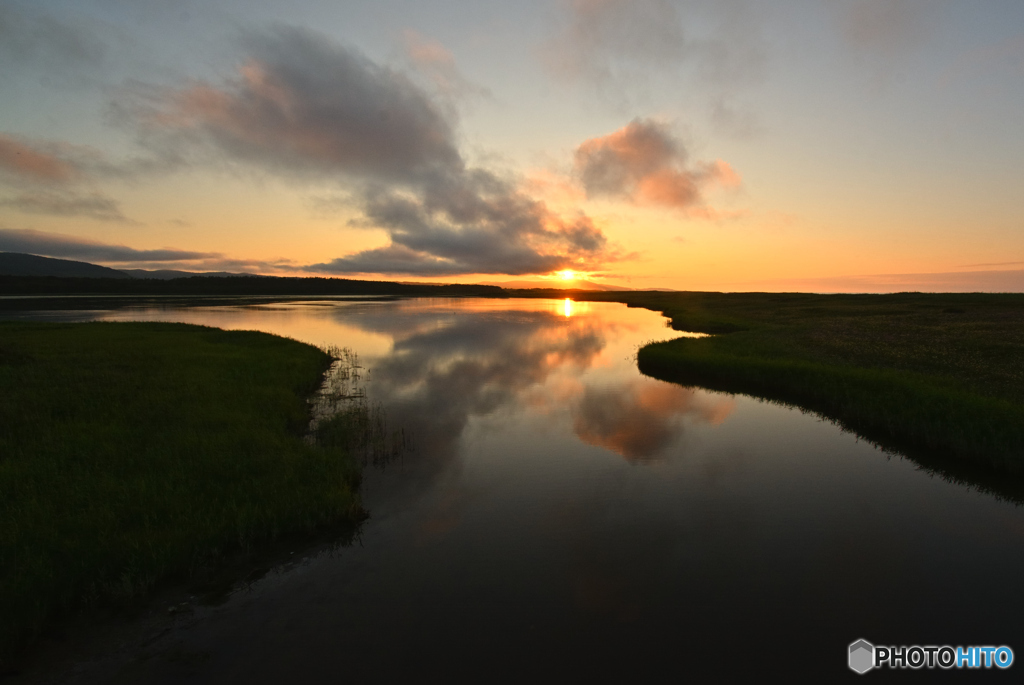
(19, 264)
(574, 284)
(167, 274)
(232, 286)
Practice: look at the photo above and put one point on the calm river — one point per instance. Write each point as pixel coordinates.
(561, 518)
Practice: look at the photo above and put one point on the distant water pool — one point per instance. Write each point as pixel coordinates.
(561, 518)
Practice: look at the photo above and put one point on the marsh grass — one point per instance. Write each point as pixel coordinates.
(137, 453)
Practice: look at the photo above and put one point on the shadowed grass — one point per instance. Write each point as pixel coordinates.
(131, 453)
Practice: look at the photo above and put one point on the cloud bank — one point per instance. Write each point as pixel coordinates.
(63, 246)
(70, 247)
(303, 106)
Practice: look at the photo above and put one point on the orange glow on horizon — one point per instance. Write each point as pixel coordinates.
(567, 275)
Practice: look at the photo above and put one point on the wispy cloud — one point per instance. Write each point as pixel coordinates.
(734, 120)
(56, 178)
(23, 160)
(616, 45)
(303, 106)
(886, 26)
(437, 65)
(645, 164)
(884, 34)
(51, 163)
(63, 51)
(62, 203)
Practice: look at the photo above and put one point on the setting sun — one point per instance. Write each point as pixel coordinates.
(567, 275)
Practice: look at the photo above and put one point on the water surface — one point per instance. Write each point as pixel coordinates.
(561, 517)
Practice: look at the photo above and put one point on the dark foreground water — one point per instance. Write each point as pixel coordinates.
(561, 518)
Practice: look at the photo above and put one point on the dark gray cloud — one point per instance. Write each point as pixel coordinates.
(63, 203)
(472, 222)
(302, 106)
(645, 164)
(70, 247)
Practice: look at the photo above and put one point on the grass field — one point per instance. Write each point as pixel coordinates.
(939, 377)
(133, 453)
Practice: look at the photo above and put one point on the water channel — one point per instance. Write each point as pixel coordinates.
(558, 517)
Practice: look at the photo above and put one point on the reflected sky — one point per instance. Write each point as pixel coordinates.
(560, 517)
(436, 365)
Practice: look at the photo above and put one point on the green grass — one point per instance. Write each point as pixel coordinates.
(132, 453)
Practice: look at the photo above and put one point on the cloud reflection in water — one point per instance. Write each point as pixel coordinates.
(450, 363)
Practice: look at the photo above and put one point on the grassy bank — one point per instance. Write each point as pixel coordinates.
(131, 453)
(939, 377)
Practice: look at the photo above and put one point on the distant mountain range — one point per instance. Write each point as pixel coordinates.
(19, 264)
(168, 274)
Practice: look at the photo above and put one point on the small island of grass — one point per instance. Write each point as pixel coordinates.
(135, 453)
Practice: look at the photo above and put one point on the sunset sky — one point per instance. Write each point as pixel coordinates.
(859, 145)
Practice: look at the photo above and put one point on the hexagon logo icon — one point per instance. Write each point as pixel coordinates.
(862, 656)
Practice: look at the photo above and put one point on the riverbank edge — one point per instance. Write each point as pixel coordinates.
(902, 412)
(202, 557)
